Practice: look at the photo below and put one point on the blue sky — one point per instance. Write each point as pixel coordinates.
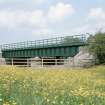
(23, 20)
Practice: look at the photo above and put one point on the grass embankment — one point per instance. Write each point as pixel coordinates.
(52, 87)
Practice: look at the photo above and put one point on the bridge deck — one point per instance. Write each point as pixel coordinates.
(53, 42)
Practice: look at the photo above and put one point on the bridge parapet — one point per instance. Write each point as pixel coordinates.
(76, 39)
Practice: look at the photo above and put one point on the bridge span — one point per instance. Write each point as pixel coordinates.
(55, 47)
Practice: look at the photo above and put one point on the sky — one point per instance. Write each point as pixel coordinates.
(25, 20)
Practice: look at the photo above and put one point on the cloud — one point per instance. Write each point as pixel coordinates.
(94, 21)
(35, 21)
(96, 13)
(96, 18)
(37, 18)
(17, 1)
(19, 18)
(60, 11)
(86, 28)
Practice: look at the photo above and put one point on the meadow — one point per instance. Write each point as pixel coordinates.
(52, 86)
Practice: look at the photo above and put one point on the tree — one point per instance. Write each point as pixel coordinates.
(97, 46)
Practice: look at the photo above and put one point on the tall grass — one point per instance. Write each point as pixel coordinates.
(21, 86)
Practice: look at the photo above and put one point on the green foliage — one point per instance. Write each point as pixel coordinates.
(97, 46)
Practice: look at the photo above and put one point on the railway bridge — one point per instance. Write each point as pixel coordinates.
(60, 47)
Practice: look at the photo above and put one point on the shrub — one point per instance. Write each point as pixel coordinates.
(97, 46)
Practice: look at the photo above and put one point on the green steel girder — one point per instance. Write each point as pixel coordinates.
(55, 47)
(64, 51)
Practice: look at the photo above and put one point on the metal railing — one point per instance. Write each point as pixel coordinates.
(44, 42)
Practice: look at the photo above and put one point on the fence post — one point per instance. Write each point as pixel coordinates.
(73, 62)
(12, 62)
(27, 63)
(56, 61)
(42, 62)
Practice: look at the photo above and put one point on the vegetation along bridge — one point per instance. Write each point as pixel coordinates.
(56, 47)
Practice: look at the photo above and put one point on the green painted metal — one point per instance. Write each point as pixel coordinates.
(54, 47)
(44, 52)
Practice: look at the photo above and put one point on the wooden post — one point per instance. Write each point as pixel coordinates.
(56, 61)
(42, 62)
(73, 62)
(12, 62)
(27, 63)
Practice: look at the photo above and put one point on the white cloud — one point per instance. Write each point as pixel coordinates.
(37, 18)
(38, 1)
(60, 11)
(95, 21)
(15, 1)
(88, 27)
(18, 18)
(37, 21)
(96, 13)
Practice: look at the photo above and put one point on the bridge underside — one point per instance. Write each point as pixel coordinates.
(63, 51)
